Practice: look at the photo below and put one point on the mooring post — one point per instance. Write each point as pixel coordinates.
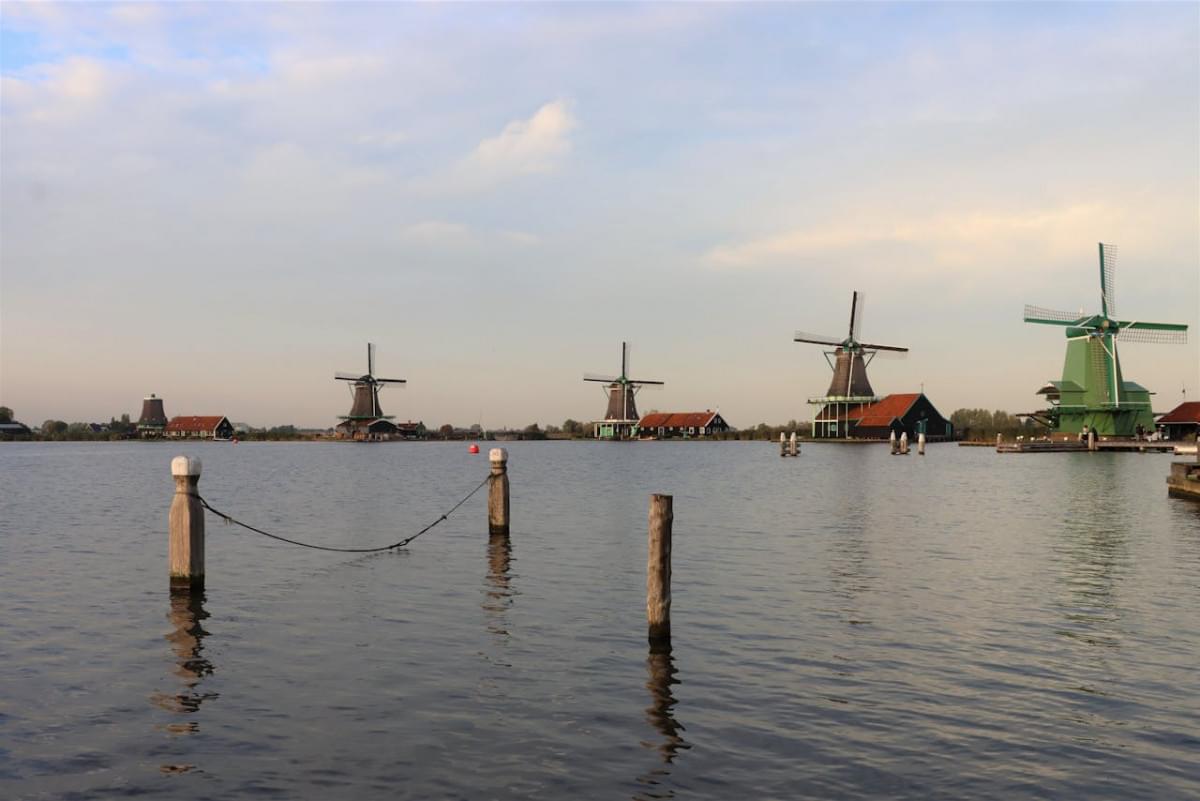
(1197, 448)
(186, 525)
(921, 444)
(782, 444)
(894, 443)
(658, 570)
(794, 445)
(1091, 439)
(498, 492)
(999, 439)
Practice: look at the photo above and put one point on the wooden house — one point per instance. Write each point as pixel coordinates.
(193, 427)
(909, 413)
(1182, 422)
(669, 425)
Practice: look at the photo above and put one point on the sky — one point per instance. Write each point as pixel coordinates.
(222, 203)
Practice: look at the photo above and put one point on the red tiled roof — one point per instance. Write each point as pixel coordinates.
(194, 423)
(885, 411)
(1183, 413)
(677, 420)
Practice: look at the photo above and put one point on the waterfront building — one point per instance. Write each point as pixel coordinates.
(199, 427)
(1182, 422)
(669, 425)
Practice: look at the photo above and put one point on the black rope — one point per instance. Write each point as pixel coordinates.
(399, 544)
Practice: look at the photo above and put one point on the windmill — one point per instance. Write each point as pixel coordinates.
(364, 389)
(1093, 391)
(621, 416)
(849, 389)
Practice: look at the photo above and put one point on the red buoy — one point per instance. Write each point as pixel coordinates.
(473, 449)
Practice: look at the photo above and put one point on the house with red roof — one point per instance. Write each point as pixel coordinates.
(1182, 422)
(669, 425)
(193, 427)
(907, 413)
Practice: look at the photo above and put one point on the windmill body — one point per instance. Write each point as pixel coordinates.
(620, 415)
(1093, 392)
(849, 390)
(366, 420)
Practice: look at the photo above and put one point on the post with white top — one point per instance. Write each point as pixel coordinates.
(658, 571)
(904, 443)
(921, 444)
(498, 492)
(782, 444)
(186, 526)
(1091, 439)
(894, 443)
(1198, 449)
(793, 445)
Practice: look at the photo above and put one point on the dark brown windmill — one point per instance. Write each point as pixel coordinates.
(621, 416)
(849, 386)
(365, 391)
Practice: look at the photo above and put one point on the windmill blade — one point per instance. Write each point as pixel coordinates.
(346, 377)
(856, 314)
(370, 358)
(895, 348)
(1158, 333)
(654, 386)
(1108, 279)
(816, 339)
(891, 354)
(400, 381)
(600, 378)
(626, 356)
(1038, 314)
(641, 382)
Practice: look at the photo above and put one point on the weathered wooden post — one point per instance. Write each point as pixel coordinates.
(186, 526)
(498, 492)
(658, 571)
(1091, 439)
(782, 444)
(999, 439)
(793, 446)
(1198, 448)
(904, 443)
(894, 443)
(921, 444)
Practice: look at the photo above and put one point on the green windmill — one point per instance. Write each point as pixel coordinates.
(1093, 392)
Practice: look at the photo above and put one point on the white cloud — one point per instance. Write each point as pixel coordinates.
(536, 145)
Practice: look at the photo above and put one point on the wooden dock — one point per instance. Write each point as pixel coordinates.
(1184, 480)
(1069, 446)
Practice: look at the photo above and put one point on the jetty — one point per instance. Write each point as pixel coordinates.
(1071, 446)
(1184, 480)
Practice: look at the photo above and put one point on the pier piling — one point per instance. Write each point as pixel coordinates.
(921, 444)
(658, 570)
(498, 492)
(904, 443)
(1091, 439)
(186, 526)
(894, 443)
(782, 444)
(793, 446)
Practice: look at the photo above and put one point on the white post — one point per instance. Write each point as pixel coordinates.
(892, 441)
(782, 444)
(904, 442)
(794, 446)
(921, 443)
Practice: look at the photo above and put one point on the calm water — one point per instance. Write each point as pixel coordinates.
(847, 625)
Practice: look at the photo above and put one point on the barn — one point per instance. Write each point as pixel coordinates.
(193, 427)
(669, 425)
(908, 413)
(1182, 422)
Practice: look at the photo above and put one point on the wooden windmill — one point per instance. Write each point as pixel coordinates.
(364, 389)
(621, 416)
(849, 390)
(1093, 391)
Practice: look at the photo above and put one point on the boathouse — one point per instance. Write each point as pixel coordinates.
(669, 425)
(908, 413)
(194, 427)
(1182, 422)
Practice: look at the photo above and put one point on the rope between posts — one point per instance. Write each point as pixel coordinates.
(400, 544)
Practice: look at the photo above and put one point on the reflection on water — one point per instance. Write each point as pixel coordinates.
(498, 592)
(660, 675)
(191, 666)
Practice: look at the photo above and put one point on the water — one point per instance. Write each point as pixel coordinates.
(846, 625)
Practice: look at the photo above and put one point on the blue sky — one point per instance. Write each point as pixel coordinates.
(221, 203)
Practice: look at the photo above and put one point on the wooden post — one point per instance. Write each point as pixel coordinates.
(1091, 439)
(186, 525)
(895, 445)
(794, 446)
(999, 439)
(904, 443)
(498, 492)
(658, 570)
(921, 444)
(782, 444)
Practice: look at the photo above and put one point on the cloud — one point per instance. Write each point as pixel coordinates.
(533, 146)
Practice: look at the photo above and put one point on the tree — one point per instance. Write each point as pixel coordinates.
(54, 427)
(446, 431)
(572, 426)
(6, 414)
